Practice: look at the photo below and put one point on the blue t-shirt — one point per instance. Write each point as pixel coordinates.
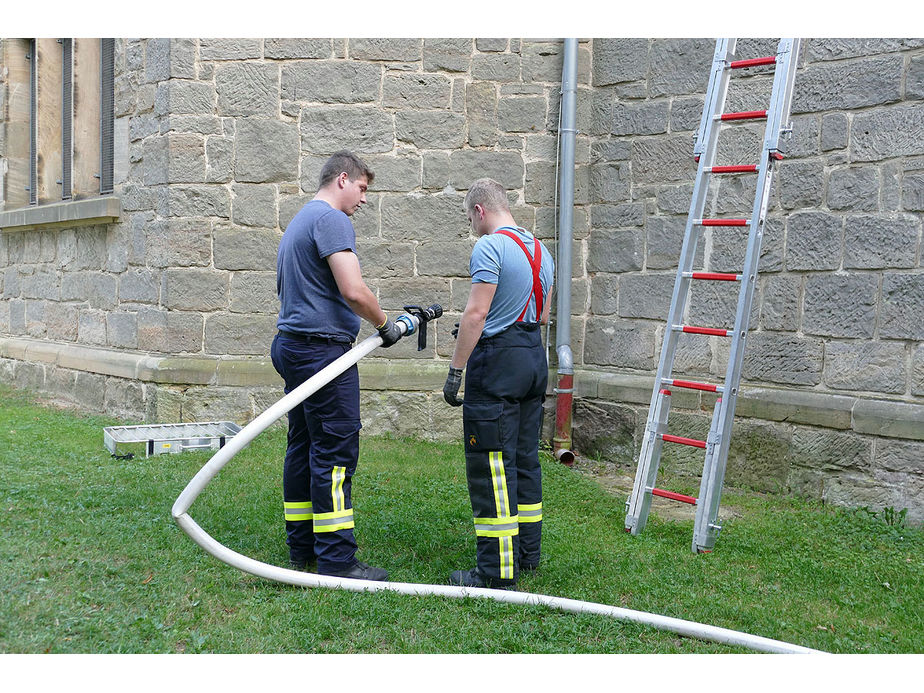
(310, 301)
(498, 259)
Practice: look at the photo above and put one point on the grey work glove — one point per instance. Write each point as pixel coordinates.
(451, 388)
(390, 333)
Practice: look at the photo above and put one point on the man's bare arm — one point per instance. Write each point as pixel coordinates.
(349, 278)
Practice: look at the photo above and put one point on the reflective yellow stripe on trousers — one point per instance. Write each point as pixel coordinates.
(505, 525)
(341, 517)
(530, 513)
(297, 510)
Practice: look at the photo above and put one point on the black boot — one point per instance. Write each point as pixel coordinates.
(360, 571)
(474, 578)
(305, 565)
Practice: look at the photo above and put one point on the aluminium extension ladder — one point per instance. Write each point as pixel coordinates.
(716, 445)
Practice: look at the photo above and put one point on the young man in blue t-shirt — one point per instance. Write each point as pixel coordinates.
(499, 340)
(322, 298)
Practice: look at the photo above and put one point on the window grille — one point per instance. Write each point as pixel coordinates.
(107, 113)
(33, 123)
(67, 118)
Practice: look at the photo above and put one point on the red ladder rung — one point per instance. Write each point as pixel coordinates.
(723, 222)
(714, 331)
(673, 496)
(747, 168)
(692, 385)
(684, 441)
(716, 276)
(752, 62)
(744, 115)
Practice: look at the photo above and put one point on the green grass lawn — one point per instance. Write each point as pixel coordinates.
(92, 561)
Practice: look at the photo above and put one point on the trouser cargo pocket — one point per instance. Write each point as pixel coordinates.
(482, 424)
(338, 443)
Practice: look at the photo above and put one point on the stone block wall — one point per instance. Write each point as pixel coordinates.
(841, 291)
(220, 142)
(840, 303)
(225, 140)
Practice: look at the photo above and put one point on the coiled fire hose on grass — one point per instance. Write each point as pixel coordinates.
(415, 320)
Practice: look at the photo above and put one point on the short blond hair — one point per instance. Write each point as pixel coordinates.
(488, 193)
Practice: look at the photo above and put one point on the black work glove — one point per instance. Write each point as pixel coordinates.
(455, 332)
(390, 333)
(451, 388)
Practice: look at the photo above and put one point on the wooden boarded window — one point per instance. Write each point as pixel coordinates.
(60, 134)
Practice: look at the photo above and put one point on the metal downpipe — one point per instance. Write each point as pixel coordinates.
(564, 391)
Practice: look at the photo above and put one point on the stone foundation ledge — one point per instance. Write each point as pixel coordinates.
(880, 417)
(867, 415)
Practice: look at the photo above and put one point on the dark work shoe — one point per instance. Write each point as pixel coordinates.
(304, 565)
(360, 571)
(473, 578)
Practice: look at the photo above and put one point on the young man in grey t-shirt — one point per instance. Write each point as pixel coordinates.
(322, 298)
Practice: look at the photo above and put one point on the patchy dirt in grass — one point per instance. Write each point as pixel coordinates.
(618, 480)
(62, 405)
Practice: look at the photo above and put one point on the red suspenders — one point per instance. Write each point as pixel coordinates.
(535, 262)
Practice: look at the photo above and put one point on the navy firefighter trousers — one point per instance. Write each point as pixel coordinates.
(505, 387)
(321, 455)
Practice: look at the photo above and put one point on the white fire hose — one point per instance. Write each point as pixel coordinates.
(410, 323)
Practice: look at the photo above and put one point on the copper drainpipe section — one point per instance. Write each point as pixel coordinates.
(561, 443)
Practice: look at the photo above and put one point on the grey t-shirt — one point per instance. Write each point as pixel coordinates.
(310, 302)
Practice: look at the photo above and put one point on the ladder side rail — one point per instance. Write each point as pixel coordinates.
(718, 94)
(712, 448)
(714, 469)
(783, 85)
(649, 455)
(724, 52)
(705, 530)
(677, 308)
(635, 507)
(639, 503)
(713, 478)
